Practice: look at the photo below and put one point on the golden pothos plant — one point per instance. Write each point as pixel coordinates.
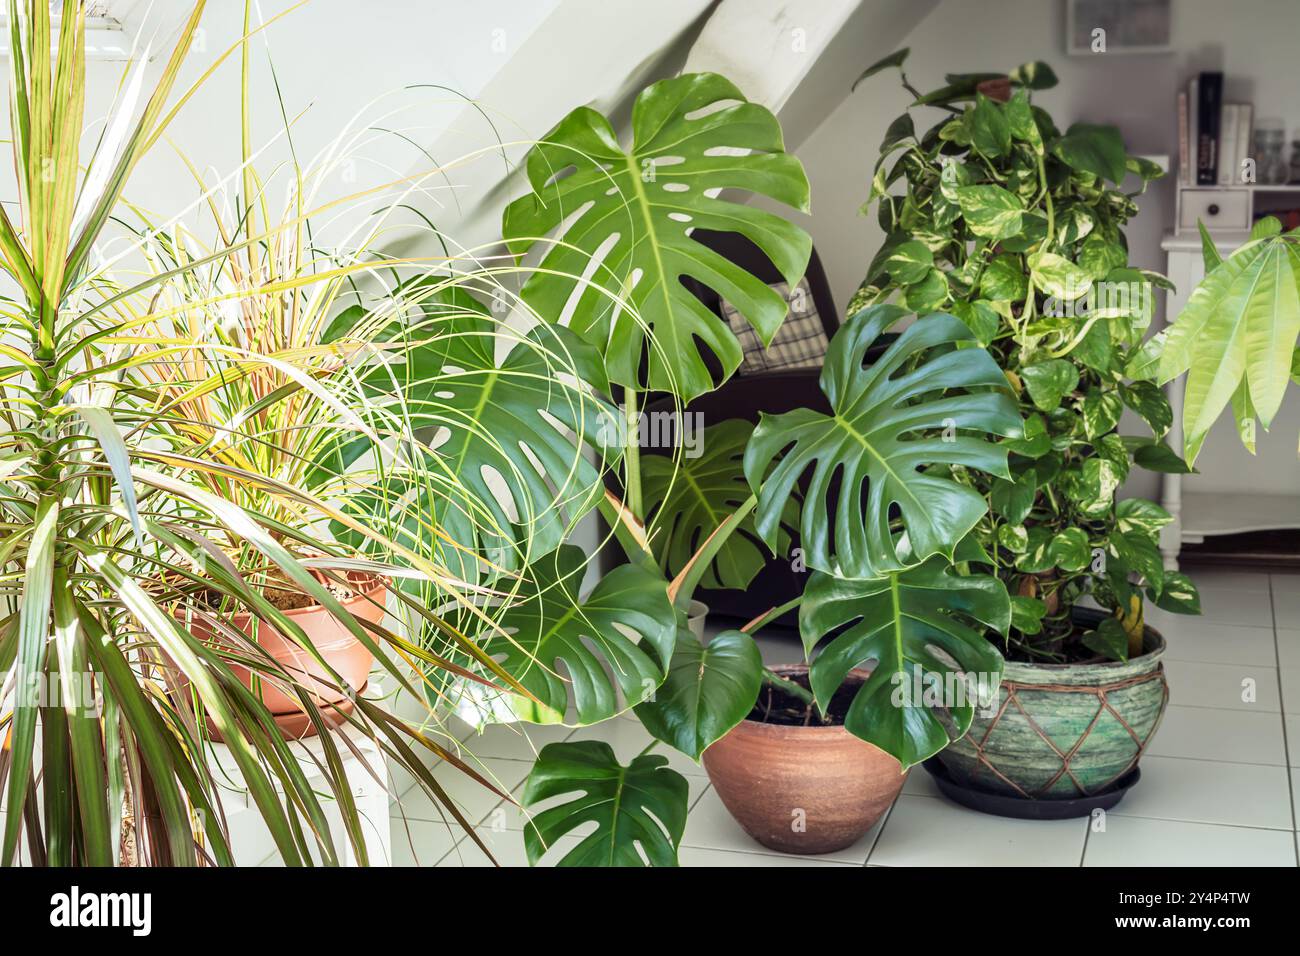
(993, 214)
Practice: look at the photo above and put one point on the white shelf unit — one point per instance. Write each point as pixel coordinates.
(1231, 503)
(1209, 513)
(1228, 211)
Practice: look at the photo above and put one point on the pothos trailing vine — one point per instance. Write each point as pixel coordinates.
(1016, 228)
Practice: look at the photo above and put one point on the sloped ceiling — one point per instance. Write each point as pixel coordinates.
(585, 52)
(455, 77)
(799, 57)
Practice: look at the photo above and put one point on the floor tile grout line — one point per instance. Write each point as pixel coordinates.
(696, 802)
(1234, 625)
(1087, 835)
(1201, 823)
(1231, 710)
(1236, 763)
(1286, 743)
(889, 815)
(1188, 660)
(474, 824)
(410, 841)
(1281, 700)
(884, 821)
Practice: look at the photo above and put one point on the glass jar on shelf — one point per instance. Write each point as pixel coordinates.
(1270, 159)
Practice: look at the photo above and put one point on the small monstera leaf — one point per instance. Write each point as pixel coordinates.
(562, 648)
(893, 426)
(642, 805)
(502, 433)
(710, 688)
(633, 212)
(899, 624)
(687, 500)
(1236, 338)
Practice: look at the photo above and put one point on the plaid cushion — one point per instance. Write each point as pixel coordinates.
(800, 342)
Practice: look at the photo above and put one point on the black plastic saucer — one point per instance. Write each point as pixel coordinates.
(1021, 808)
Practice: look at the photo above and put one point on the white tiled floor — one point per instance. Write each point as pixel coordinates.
(1217, 785)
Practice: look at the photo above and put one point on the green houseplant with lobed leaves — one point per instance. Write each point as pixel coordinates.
(1017, 228)
(882, 549)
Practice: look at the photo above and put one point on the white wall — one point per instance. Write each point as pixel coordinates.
(1252, 41)
(338, 63)
(508, 70)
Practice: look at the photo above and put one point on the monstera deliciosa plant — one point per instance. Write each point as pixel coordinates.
(996, 216)
(884, 519)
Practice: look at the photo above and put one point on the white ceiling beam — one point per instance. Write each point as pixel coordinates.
(767, 47)
(586, 52)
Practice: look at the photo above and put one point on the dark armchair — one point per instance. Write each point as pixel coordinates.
(746, 395)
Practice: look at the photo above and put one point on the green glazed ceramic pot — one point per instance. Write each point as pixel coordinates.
(1061, 731)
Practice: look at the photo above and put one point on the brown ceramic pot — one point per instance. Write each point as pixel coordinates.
(348, 656)
(802, 789)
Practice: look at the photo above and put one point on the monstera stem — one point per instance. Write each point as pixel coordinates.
(770, 677)
(770, 615)
(688, 579)
(632, 453)
(787, 686)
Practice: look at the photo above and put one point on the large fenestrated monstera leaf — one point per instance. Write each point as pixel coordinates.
(519, 424)
(893, 426)
(576, 655)
(633, 212)
(897, 624)
(1236, 337)
(642, 805)
(710, 688)
(687, 500)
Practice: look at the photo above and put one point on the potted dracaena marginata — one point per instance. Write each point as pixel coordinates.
(894, 582)
(174, 421)
(1017, 228)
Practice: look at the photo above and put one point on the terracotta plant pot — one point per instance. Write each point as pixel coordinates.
(1064, 731)
(803, 789)
(348, 656)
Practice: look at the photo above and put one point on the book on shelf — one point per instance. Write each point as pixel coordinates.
(1227, 148)
(1184, 145)
(1245, 132)
(1208, 108)
(1214, 138)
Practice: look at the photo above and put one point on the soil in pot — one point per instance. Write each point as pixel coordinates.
(363, 597)
(777, 706)
(796, 784)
